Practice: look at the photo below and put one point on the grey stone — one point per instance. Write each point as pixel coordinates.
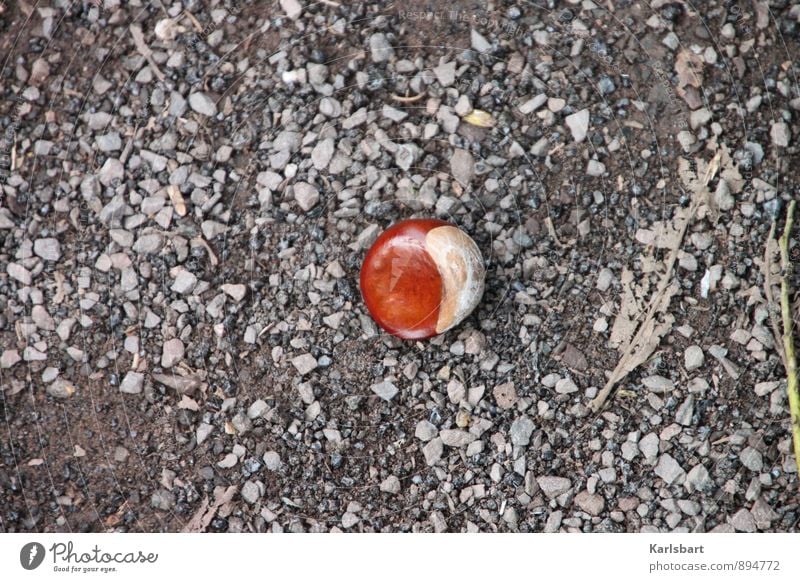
(629, 450)
(391, 485)
(763, 514)
(109, 142)
(317, 73)
(184, 282)
(479, 42)
(271, 180)
(669, 469)
(463, 106)
(780, 134)
(456, 391)
(648, 445)
(234, 291)
(385, 390)
(406, 155)
(658, 384)
(379, 48)
(163, 500)
(292, 8)
(251, 492)
(723, 198)
(521, 431)
(19, 273)
(228, 462)
(349, 520)
(132, 383)
(699, 118)
(686, 139)
(306, 195)
(395, 115)
(5, 220)
(48, 249)
(751, 459)
(553, 522)
(272, 461)
(446, 74)
(462, 166)
(743, 521)
(425, 430)
(533, 104)
(287, 141)
(505, 395)
(256, 409)
(456, 438)
(322, 153)
(61, 388)
(172, 353)
(671, 41)
(304, 363)
(212, 229)
(595, 168)
(113, 211)
(40, 71)
(693, 358)
(433, 451)
(685, 412)
(98, 121)
(330, 107)
(578, 124)
(591, 503)
(148, 243)
(203, 431)
(697, 479)
(203, 104)
(177, 104)
(605, 85)
(42, 319)
(566, 386)
(9, 358)
(552, 487)
(604, 279)
(764, 388)
(31, 354)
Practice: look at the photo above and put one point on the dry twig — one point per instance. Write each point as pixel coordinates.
(408, 99)
(788, 334)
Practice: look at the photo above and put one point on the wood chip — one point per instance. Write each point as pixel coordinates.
(176, 198)
(689, 67)
(144, 50)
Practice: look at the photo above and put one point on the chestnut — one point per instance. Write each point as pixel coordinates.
(422, 277)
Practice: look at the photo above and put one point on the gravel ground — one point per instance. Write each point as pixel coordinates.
(188, 190)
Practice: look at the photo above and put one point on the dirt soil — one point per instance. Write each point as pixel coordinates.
(103, 428)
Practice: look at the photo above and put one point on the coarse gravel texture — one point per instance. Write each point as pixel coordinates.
(188, 190)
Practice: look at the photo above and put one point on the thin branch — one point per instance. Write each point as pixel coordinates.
(788, 334)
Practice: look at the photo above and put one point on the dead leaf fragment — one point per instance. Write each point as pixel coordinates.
(205, 513)
(480, 118)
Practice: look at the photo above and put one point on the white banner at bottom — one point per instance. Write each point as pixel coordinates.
(354, 557)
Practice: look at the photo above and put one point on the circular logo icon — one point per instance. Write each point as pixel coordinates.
(31, 555)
